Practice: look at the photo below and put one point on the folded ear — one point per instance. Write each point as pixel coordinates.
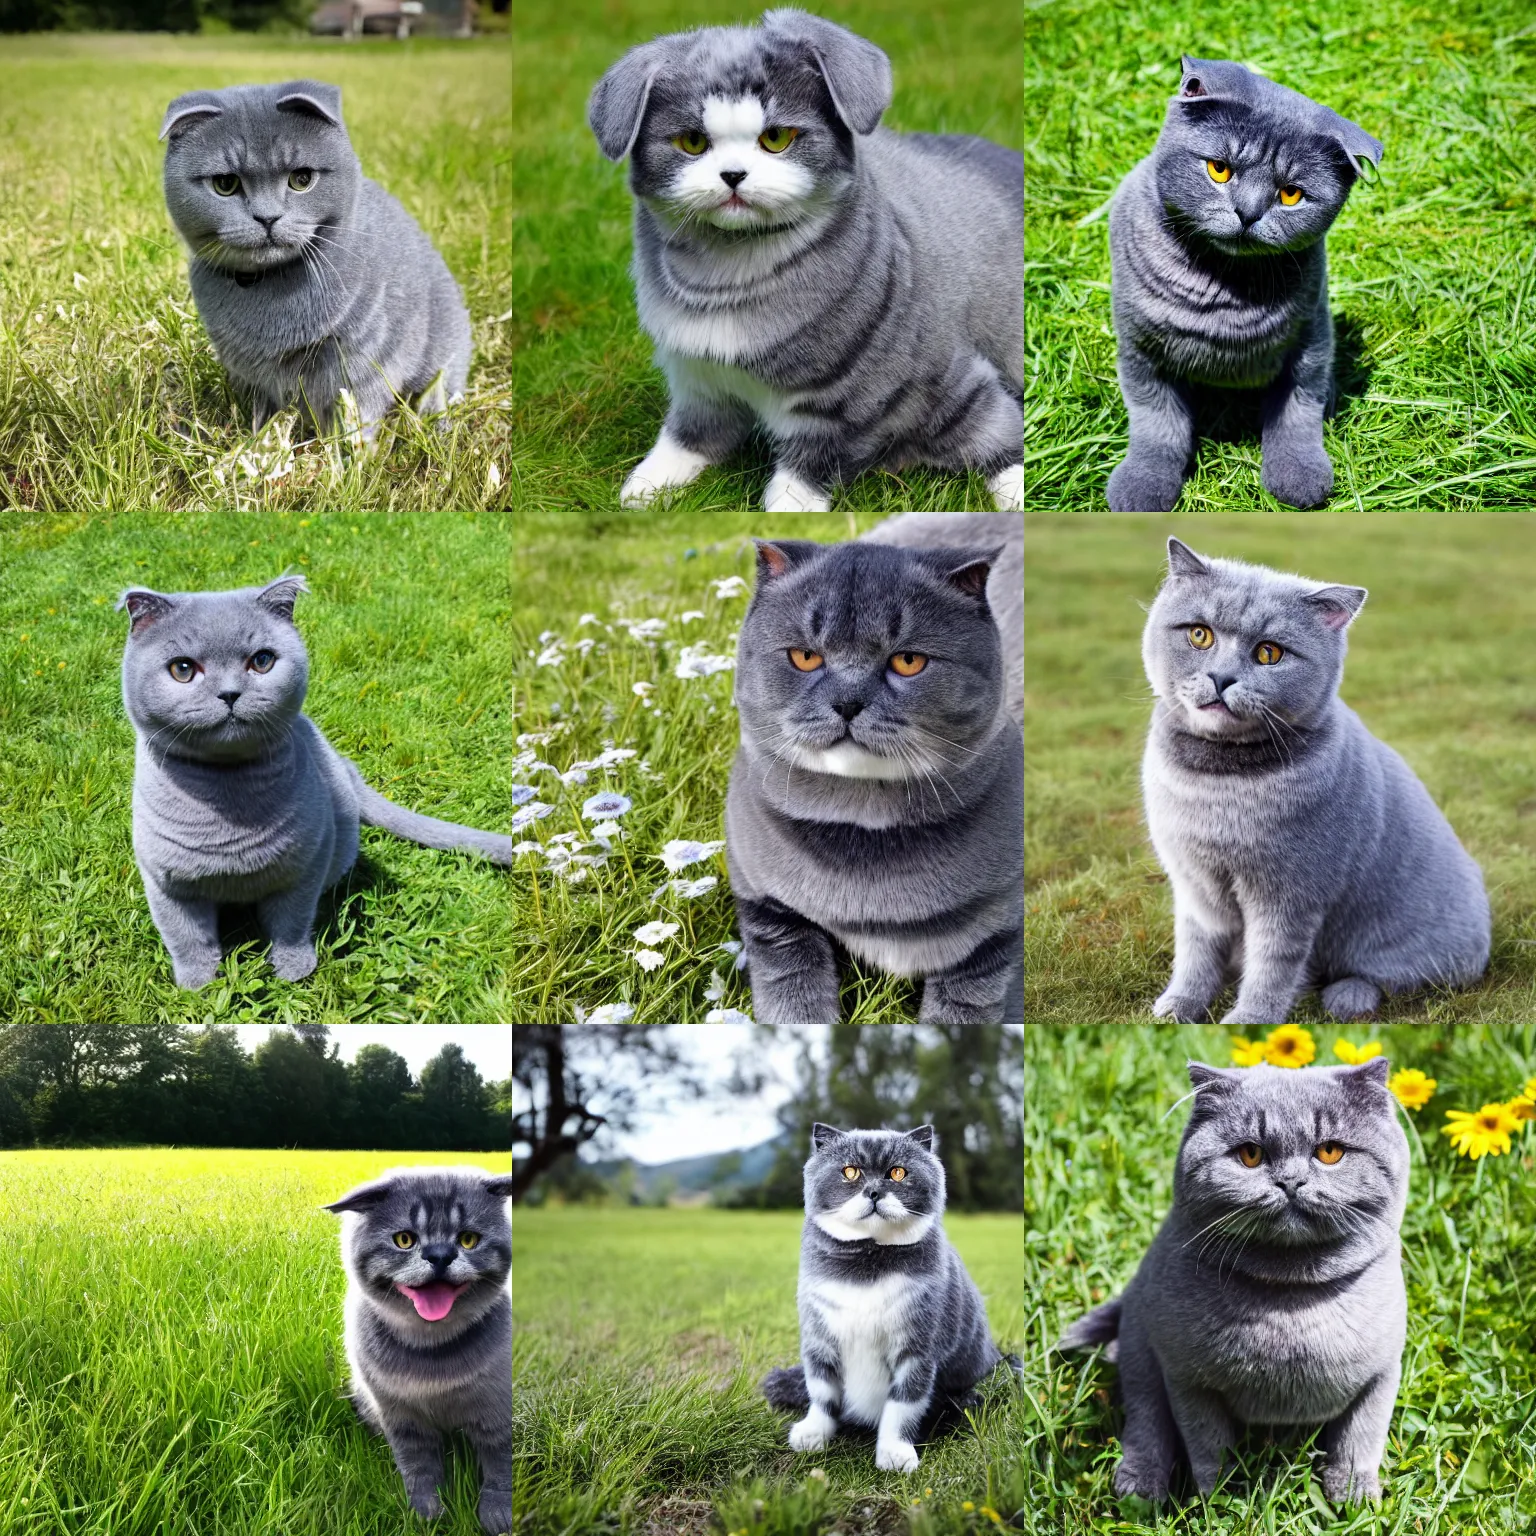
(776, 556)
(279, 596)
(1183, 561)
(312, 98)
(1356, 143)
(823, 1135)
(144, 608)
(922, 1135)
(363, 1198)
(617, 105)
(499, 1187)
(1373, 1073)
(1337, 606)
(971, 577)
(857, 74)
(187, 111)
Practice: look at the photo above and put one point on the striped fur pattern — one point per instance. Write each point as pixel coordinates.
(1218, 281)
(309, 277)
(857, 294)
(428, 1255)
(871, 813)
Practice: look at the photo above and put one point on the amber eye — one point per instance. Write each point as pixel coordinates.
(850, 1173)
(1201, 638)
(1251, 1153)
(908, 663)
(182, 669)
(777, 140)
(262, 661)
(1329, 1152)
(1290, 196)
(692, 143)
(467, 1240)
(226, 185)
(301, 180)
(404, 1239)
(898, 1174)
(805, 661)
(1267, 653)
(1219, 170)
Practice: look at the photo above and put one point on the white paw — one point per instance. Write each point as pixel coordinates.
(895, 1456)
(667, 465)
(1007, 487)
(788, 493)
(810, 1434)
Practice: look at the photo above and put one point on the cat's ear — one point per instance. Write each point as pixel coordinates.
(1337, 606)
(363, 1198)
(617, 104)
(1211, 1085)
(1191, 84)
(777, 556)
(923, 1136)
(1183, 561)
(856, 72)
(1351, 138)
(143, 608)
(499, 1187)
(1367, 1077)
(312, 98)
(823, 1135)
(279, 596)
(187, 111)
(971, 578)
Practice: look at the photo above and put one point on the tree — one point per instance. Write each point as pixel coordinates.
(453, 1099)
(383, 1114)
(305, 1095)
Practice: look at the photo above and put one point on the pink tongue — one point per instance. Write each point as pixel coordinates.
(433, 1302)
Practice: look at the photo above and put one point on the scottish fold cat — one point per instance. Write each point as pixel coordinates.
(1220, 276)
(857, 294)
(1273, 1291)
(1302, 851)
(893, 1332)
(876, 800)
(309, 277)
(237, 796)
(428, 1255)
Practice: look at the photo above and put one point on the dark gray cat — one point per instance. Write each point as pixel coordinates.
(1302, 852)
(310, 278)
(893, 1332)
(1221, 277)
(876, 800)
(428, 1255)
(237, 796)
(856, 293)
(1273, 1292)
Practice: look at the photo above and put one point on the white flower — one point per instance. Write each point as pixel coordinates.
(573, 838)
(609, 1013)
(605, 804)
(523, 793)
(642, 690)
(696, 661)
(729, 586)
(536, 811)
(526, 847)
(727, 1016)
(716, 988)
(649, 959)
(732, 946)
(526, 762)
(546, 635)
(656, 933)
(689, 889)
(551, 656)
(558, 855)
(644, 629)
(691, 615)
(542, 738)
(611, 755)
(573, 873)
(576, 775)
(606, 829)
(586, 618)
(585, 644)
(678, 854)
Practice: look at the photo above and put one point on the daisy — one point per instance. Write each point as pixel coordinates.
(649, 959)
(1289, 1046)
(1354, 1055)
(680, 852)
(1246, 1053)
(607, 829)
(696, 661)
(523, 793)
(1411, 1088)
(656, 933)
(536, 811)
(577, 774)
(1475, 1135)
(606, 805)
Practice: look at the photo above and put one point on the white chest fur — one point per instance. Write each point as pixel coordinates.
(867, 1324)
(706, 379)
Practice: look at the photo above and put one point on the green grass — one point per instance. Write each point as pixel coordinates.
(640, 1338)
(1436, 669)
(171, 1347)
(572, 942)
(1432, 272)
(406, 633)
(589, 402)
(110, 394)
(1099, 1156)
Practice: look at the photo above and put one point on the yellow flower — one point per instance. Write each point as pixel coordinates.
(991, 1514)
(1353, 1055)
(1411, 1088)
(1246, 1053)
(1289, 1046)
(1523, 1108)
(1487, 1131)
(1530, 1082)
(967, 1506)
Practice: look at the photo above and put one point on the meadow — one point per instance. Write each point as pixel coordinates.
(110, 394)
(1432, 268)
(405, 629)
(589, 402)
(1101, 1135)
(640, 1338)
(1436, 669)
(171, 1348)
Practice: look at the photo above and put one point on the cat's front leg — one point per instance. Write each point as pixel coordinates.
(1149, 1443)
(699, 431)
(1200, 954)
(418, 1454)
(1275, 954)
(1296, 468)
(824, 1384)
(288, 919)
(974, 990)
(1206, 1428)
(190, 931)
(791, 964)
(1356, 1441)
(905, 1404)
(789, 491)
(493, 1446)
(1151, 475)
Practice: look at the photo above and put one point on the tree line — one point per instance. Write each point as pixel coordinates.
(165, 1084)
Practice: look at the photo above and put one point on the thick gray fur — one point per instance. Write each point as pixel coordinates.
(415, 1380)
(237, 796)
(1272, 1294)
(305, 294)
(1220, 283)
(1302, 851)
(893, 1332)
(866, 309)
(868, 811)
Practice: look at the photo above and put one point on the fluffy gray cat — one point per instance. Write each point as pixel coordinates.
(1302, 851)
(237, 796)
(1221, 277)
(856, 293)
(310, 278)
(1273, 1292)
(893, 1332)
(428, 1255)
(876, 800)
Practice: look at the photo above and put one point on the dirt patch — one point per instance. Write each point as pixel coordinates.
(679, 1517)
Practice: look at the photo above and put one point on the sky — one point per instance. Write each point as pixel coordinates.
(489, 1046)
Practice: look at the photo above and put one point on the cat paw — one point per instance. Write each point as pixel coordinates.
(294, 962)
(811, 1433)
(1352, 998)
(425, 1501)
(1303, 479)
(895, 1456)
(787, 492)
(668, 465)
(1351, 1485)
(1143, 484)
(195, 973)
(496, 1511)
(1007, 487)
(1181, 1009)
(1273, 1010)
(1136, 1482)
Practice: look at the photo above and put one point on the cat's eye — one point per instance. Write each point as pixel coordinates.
(182, 669)
(1267, 653)
(301, 180)
(262, 661)
(805, 661)
(691, 143)
(1200, 637)
(908, 663)
(1290, 196)
(226, 185)
(404, 1239)
(468, 1240)
(1250, 1154)
(1329, 1152)
(850, 1173)
(898, 1174)
(777, 140)
(1218, 170)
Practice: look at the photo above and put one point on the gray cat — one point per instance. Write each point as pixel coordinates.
(1302, 851)
(876, 800)
(310, 278)
(1273, 1292)
(893, 1332)
(1221, 277)
(428, 1255)
(237, 796)
(856, 293)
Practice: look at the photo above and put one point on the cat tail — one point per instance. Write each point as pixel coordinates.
(1101, 1326)
(786, 1388)
(375, 811)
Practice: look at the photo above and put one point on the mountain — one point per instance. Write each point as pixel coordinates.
(694, 1175)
